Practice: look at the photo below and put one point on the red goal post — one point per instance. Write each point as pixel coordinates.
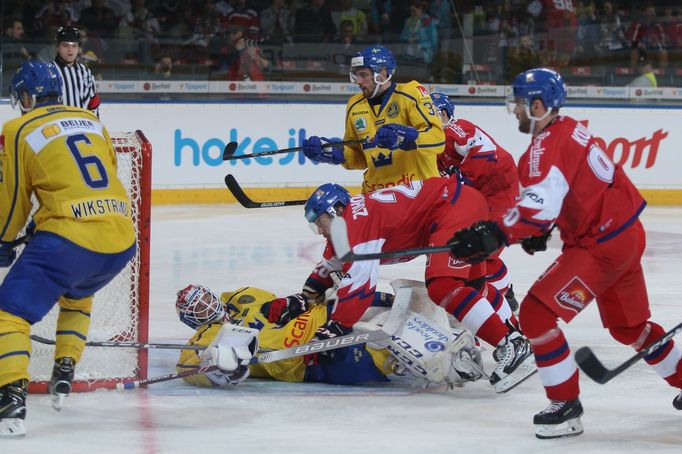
(121, 309)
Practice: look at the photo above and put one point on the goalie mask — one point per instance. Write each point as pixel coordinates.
(198, 305)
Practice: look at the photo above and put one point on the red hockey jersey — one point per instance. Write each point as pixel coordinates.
(568, 180)
(483, 163)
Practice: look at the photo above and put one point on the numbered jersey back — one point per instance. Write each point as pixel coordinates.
(65, 156)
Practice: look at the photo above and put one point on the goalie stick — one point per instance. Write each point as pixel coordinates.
(230, 148)
(246, 202)
(339, 234)
(593, 368)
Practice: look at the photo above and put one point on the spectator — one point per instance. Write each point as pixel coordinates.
(356, 16)
(346, 36)
(99, 19)
(420, 33)
(646, 77)
(239, 58)
(441, 11)
(672, 26)
(245, 17)
(314, 23)
(140, 27)
(52, 15)
(14, 51)
(164, 68)
(646, 34)
(611, 29)
(562, 31)
(277, 23)
(521, 58)
(589, 38)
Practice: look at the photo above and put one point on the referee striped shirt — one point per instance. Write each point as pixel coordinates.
(78, 86)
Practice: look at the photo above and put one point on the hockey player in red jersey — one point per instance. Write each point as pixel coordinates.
(569, 181)
(421, 214)
(486, 166)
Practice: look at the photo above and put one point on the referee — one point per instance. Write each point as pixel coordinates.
(78, 83)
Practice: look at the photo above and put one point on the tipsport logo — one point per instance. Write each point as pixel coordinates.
(188, 150)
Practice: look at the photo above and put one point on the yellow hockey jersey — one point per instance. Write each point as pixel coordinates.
(407, 104)
(244, 306)
(65, 156)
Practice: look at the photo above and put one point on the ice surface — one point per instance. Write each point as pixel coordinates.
(226, 246)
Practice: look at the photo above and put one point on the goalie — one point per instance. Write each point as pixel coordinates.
(424, 348)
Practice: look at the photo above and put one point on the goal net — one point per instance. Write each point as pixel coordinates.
(120, 310)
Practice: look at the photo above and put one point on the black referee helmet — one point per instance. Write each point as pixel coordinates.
(68, 35)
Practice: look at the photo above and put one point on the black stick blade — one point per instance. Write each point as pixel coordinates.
(591, 366)
(229, 150)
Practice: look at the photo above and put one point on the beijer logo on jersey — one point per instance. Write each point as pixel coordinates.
(575, 295)
(357, 205)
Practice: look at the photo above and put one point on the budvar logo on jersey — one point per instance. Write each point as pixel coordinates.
(211, 151)
(622, 150)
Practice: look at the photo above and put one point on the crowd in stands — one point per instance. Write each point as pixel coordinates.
(309, 39)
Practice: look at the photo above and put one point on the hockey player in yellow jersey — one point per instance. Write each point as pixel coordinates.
(286, 322)
(81, 234)
(402, 128)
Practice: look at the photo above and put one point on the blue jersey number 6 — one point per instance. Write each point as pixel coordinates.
(102, 181)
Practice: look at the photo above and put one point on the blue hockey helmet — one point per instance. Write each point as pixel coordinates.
(540, 83)
(325, 199)
(442, 102)
(197, 305)
(38, 80)
(374, 58)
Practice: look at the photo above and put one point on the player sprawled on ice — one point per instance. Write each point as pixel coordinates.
(399, 121)
(569, 181)
(421, 214)
(486, 166)
(291, 321)
(83, 232)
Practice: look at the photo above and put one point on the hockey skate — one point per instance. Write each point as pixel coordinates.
(677, 401)
(60, 384)
(560, 419)
(13, 409)
(515, 362)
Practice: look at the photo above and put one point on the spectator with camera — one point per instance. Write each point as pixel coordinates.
(241, 58)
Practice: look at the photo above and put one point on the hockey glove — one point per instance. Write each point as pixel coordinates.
(328, 152)
(327, 331)
(536, 243)
(282, 310)
(230, 351)
(474, 244)
(394, 136)
(7, 254)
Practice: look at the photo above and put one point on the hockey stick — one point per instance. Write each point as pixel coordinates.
(132, 384)
(43, 340)
(230, 148)
(339, 234)
(593, 368)
(246, 202)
